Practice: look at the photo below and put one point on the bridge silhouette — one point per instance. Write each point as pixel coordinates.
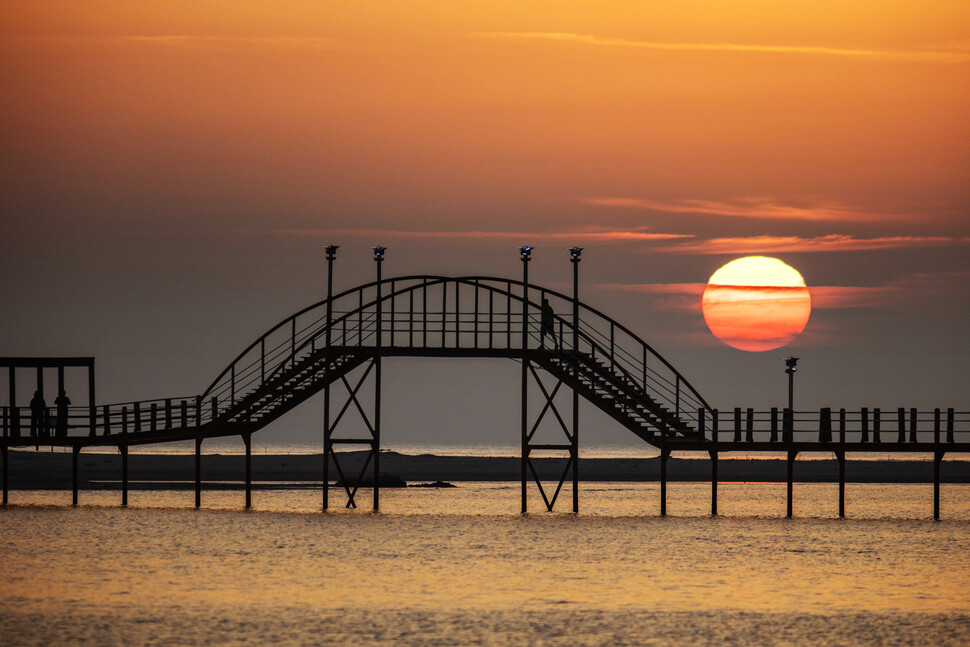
(567, 351)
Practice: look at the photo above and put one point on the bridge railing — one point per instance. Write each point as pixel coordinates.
(875, 426)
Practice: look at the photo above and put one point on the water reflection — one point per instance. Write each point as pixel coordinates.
(456, 564)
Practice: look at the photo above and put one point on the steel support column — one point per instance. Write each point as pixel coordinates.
(664, 455)
(6, 470)
(574, 254)
(791, 479)
(328, 358)
(124, 475)
(352, 484)
(841, 457)
(713, 483)
(248, 441)
(376, 447)
(75, 452)
(198, 472)
(574, 451)
(526, 253)
(937, 459)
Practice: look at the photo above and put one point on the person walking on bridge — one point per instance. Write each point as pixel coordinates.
(548, 325)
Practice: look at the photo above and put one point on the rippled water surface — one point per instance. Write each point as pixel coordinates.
(461, 566)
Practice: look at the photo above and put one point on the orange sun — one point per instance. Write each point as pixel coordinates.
(756, 303)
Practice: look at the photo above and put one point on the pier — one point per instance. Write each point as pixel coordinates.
(567, 350)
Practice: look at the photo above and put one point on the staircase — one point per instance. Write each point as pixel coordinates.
(617, 394)
(290, 386)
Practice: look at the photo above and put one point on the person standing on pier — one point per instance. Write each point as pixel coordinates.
(38, 415)
(62, 402)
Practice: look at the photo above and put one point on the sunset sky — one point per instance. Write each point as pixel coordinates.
(171, 170)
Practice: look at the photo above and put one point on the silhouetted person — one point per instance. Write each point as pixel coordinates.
(38, 415)
(548, 324)
(62, 402)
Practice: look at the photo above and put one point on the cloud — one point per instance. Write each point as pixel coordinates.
(187, 41)
(796, 244)
(955, 55)
(686, 297)
(241, 42)
(828, 297)
(681, 297)
(591, 234)
(758, 208)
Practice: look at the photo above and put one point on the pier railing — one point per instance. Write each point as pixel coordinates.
(900, 427)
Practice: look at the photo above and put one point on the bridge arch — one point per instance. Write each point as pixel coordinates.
(473, 316)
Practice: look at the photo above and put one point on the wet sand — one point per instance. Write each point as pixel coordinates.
(30, 470)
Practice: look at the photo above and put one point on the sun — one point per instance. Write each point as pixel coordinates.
(756, 303)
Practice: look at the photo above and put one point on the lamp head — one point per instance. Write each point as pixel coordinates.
(790, 363)
(526, 252)
(331, 251)
(379, 253)
(574, 253)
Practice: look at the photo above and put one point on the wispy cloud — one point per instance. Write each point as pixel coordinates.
(686, 297)
(273, 42)
(190, 41)
(794, 244)
(754, 207)
(592, 234)
(960, 55)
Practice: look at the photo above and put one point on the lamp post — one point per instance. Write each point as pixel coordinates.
(331, 256)
(331, 251)
(790, 362)
(574, 253)
(574, 258)
(379, 259)
(526, 253)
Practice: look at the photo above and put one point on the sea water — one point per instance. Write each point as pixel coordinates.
(462, 567)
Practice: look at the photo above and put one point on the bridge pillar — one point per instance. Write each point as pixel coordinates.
(841, 458)
(713, 483)
(198, 472)
(124, 475)
(351, 484)
(937, 459)
(6, 470)
(574, 451)
(549, 410)
(664, 455)
(526, 253)
(248, 440)
(74, 481)
(791, 478)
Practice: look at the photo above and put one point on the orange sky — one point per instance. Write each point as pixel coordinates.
(197, 150)
(552, 106)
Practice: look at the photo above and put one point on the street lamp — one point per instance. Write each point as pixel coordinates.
(574, 258)
(331, 256)
(526, 253)
(790, 362)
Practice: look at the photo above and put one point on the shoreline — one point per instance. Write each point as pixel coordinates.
(30, 470)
